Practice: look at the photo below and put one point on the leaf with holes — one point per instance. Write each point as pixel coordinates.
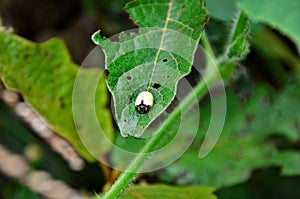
(153, 60)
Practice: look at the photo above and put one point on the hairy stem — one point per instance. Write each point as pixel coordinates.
(137, 164)
(239, 26)
(200, 90)
(206, 44)
(237, 46)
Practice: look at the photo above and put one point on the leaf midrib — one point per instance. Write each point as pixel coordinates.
(161, 42)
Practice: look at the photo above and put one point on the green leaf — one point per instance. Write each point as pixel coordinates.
(159, 191)
(44, 74)
(221, 10)
(15, 191)
(239, 46)
(245, 143)
(283, 15)
(154, 59)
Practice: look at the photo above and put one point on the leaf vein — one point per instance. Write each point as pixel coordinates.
(185, 25)
(161, 41)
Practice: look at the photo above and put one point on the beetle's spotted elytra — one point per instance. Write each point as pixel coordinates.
(144, 102)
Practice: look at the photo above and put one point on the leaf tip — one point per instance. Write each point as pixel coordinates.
(96, 37)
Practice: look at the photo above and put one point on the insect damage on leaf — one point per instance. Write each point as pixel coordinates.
(152, 60)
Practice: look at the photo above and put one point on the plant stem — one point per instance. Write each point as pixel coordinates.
(239, 26)
(137, 164)
(237, 46)
(200, 90)
(206, 44)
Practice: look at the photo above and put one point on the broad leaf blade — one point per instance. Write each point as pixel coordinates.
(283, 15)
(44, 74)
(245, 143)
(154, 59)
(168, 192)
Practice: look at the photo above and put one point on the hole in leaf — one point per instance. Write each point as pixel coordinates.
(106, 72)
(165, 60)
(129, 77)
(156, 85)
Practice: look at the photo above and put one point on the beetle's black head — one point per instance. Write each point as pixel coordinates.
(142, 108)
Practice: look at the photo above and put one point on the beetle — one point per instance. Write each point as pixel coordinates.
(144, 102)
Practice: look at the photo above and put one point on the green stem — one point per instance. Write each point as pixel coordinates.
(237, 45)
(206, 44)
(200, 90)
(137, 164)
(239, 26)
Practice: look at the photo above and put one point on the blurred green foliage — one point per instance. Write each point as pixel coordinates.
(247, 141)
(45, 76)
(282, 15)
(160, 191)
(14, 190)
